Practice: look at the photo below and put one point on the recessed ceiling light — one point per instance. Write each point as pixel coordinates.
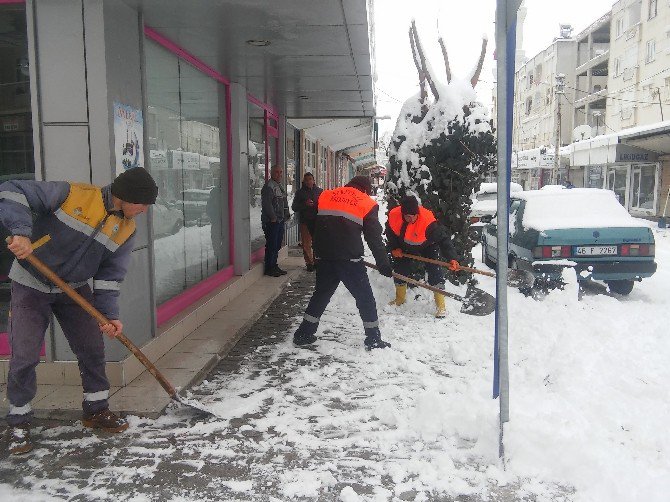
(303, 97)
(258, 43)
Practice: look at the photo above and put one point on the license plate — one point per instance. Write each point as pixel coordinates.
(596, 250)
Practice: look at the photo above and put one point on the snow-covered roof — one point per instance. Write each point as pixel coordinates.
(493, 188)
(574, 208)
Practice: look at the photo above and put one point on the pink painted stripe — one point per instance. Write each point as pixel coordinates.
(5, 348)
(186, 56)
(229, 159)
(174, 306)
(258, 255)
(268, 108)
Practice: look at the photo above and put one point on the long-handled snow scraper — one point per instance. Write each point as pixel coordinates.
(93, 312)
(515, 278)
(476, 302)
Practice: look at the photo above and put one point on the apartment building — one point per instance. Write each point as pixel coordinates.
(629, 148)
(536, 109)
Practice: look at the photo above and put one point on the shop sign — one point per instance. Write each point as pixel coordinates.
(628, 153)
(128, 137)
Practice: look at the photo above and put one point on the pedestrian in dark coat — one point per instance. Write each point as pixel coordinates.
(413, 229)
(274, 213)
(83, 233)
(343, 215)
(305, 204)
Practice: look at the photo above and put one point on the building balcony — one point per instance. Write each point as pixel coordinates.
(599, 57)
(591, 98)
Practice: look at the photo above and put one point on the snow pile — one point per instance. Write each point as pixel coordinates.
(574, 208)
(588, 411)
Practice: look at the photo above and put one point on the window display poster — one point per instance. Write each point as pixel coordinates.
(128, 137)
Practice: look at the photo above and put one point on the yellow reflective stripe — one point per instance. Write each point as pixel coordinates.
(41, 242)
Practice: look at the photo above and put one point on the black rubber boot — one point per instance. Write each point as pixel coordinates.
(373, 340)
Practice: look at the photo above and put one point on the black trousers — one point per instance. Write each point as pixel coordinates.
(329, 274)
(435, 273)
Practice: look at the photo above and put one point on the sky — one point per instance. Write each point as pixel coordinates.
(461, 24)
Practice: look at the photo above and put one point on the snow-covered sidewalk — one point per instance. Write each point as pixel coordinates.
(588, 419)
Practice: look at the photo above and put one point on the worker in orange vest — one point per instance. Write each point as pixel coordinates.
(343, 214)
(413, 229)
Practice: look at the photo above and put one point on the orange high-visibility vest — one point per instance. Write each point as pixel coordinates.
(415, 234)
(347, 202)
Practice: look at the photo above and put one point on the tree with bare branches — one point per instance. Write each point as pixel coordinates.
(443, 146)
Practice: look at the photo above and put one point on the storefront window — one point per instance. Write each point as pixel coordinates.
(257, 173)
(292, 176)
(643, 187)
(616, 181)
(16, 135)
(594, 176)
(184, 141)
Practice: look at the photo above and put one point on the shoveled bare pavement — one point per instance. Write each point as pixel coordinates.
(184, 455)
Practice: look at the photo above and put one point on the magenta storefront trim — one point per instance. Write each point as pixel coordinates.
(178, 304)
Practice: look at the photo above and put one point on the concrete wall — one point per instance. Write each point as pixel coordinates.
(88, 56)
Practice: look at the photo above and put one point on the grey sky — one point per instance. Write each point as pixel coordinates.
(461, 23)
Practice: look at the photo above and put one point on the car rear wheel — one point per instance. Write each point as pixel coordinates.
(621, 287)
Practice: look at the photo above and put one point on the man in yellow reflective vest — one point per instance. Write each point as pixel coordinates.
(343, 214)
(413, 229)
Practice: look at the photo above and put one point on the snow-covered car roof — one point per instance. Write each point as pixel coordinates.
(574, 208)
(493, 188)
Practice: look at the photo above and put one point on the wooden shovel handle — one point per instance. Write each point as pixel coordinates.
(445, 264)
(93, 312)
(404, 278)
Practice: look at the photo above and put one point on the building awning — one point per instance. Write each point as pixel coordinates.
(318, 61)
(363, 158)
(654, 138)
(637, 144)
(338, 134)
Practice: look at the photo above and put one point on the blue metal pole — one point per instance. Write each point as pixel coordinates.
(506, 11)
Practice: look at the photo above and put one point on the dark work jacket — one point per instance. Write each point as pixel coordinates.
(299, 205)
(436, 234)
(339, 238)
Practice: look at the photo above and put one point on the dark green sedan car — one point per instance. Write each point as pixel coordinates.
(582, 227)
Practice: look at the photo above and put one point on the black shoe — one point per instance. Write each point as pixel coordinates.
(310, 267)
(375, 343)
(273, 273)
(280, 271)
(19, 439)
(301, 340)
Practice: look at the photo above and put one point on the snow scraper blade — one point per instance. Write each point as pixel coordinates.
(478, 302)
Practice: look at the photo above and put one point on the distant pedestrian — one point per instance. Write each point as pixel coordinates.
(305, 204)
(274, 213)
(83, 233)
(343, 215)
(413, 229)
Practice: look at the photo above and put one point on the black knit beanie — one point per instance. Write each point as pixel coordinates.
(135, 186)
(362, 183)
(409, 205)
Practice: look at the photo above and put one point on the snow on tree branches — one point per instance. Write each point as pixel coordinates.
(443, 147)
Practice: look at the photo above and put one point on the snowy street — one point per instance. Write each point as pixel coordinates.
(587, 398)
